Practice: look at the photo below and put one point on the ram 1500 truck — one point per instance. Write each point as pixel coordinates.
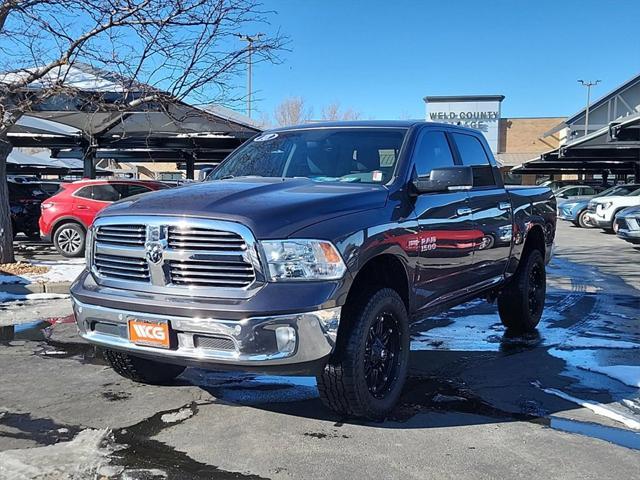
(310, 250)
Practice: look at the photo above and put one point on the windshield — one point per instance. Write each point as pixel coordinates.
(363, 155)
(620, 190)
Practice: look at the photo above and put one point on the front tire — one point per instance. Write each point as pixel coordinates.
(142, 370)
(582, 220)
(366, 374)
(69, 240)
(521, 302)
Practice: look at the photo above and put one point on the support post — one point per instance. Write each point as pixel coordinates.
(89, 164)
(191, 166)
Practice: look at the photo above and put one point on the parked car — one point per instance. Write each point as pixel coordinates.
(556, 185)
(67, 215)
(309, 251)
(628, 225)
(576, 210)
(603, 211)
(573, 191)
(24, 203)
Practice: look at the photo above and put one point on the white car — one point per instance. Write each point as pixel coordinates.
(603, 210)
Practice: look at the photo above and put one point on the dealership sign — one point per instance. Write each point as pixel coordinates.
(479, 112)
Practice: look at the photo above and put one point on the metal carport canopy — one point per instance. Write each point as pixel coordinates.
(149, 132)
(615, 148)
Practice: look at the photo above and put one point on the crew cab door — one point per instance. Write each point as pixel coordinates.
(445, 236)
(490, 207)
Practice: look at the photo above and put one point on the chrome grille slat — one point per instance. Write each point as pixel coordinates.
(209, 282)
(206, 275)
(212, 268)
(205, 246)
(128, 268)
(198, 239)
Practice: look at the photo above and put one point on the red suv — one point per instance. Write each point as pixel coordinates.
(67, 215)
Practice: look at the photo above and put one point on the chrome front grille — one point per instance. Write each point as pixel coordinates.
(174, 255)
(190, 238)
(126, 268)
(132, 235)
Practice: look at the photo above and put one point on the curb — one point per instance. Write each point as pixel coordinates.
(39, 287)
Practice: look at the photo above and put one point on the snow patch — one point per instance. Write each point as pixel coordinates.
(11, 297)
(591, 342)
(178, 416)
(79, 458)
(627, 374)
(595, 407)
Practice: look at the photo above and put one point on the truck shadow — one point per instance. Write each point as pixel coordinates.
(465, 368)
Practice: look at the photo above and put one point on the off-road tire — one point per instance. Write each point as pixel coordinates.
(343, 383)
(67, 233)
(140, 369)
(518, 311)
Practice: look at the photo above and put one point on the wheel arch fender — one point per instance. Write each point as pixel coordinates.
(64, 220)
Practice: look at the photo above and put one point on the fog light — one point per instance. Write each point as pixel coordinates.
(286, 339)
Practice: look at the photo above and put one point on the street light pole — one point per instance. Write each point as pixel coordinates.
(588, 84)
(249, 39)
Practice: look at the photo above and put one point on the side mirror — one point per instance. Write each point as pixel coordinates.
(444, 179)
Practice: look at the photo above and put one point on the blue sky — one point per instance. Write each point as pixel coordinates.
(382, 57)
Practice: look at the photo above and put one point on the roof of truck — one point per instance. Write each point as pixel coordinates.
(359, 124)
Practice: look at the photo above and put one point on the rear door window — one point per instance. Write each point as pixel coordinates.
(84, 192)
(127, 190)
(431, 151)
(105, 193)
(472, 154)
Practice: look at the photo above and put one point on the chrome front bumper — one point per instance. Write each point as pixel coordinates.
(279, 340)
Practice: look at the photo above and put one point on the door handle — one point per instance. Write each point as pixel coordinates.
(504, 206)
(82, 207)
(463, 211)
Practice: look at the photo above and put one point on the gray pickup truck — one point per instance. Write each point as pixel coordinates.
(310, 250)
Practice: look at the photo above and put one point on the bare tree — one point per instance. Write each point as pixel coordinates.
(292, 111)
(334, 112)
(163, 50)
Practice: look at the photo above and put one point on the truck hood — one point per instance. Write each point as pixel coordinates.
(618, 200)
(270, 207)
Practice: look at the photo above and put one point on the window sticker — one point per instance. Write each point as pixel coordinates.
(376, 176)
(266, 137)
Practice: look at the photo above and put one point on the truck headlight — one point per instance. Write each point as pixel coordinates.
(302, 260)
(88, 248)
(606, 205)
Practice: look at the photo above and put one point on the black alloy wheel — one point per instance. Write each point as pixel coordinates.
(537, 289)
(382, 355)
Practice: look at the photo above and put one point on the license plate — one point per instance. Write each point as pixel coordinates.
(149, 333)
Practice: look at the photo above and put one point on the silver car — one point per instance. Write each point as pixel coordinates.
(628, 225)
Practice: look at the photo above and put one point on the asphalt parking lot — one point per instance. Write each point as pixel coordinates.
(561, 403)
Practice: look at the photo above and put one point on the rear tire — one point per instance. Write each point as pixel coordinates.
(142, 370)
(69, 240)
(366, 373)
(521, 302)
